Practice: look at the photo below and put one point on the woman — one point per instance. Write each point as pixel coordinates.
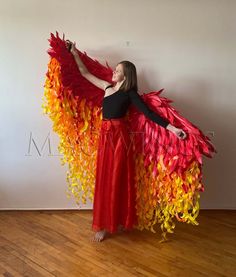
(114, 197)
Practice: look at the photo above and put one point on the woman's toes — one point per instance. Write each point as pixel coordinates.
(99, 236)
(121, 228)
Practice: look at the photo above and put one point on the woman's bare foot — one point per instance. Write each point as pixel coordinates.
(121, 228)
(99, 236)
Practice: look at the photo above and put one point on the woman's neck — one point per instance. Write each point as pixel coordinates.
(118, 85)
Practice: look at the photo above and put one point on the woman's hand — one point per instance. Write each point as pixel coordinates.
(71, 47)
(177, 131)
(68, 44)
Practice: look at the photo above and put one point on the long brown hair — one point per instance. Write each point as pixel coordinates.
(130, 76)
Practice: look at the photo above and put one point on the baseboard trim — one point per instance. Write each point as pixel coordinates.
(87, 208)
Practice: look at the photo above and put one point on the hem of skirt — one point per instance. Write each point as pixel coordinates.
(111, 231)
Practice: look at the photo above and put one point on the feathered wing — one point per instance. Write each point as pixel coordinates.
(168, 169)
(74, 106)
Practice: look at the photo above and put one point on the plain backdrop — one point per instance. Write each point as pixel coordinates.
(187, 47)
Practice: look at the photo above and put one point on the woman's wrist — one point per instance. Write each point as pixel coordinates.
(170, 127)
(74, 53)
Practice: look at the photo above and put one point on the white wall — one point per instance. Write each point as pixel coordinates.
(186, 46)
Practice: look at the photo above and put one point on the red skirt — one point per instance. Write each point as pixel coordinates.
(115, 194)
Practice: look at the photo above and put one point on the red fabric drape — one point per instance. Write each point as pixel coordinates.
(115, 194)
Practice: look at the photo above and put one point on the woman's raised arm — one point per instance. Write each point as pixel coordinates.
(102, 84)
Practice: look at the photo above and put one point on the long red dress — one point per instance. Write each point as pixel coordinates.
(114, 198)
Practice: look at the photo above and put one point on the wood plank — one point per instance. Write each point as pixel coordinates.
(57, 243)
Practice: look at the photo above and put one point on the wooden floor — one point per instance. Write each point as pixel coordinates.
(57, 243)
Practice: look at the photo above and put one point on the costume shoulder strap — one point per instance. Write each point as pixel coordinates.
(109, 86)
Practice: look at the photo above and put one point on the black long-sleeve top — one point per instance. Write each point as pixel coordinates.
(117, 104)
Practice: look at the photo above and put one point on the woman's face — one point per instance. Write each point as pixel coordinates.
(118, 74)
